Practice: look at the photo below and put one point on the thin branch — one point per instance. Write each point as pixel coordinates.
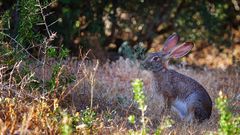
(40, 23)
(48, 4)
(50, 13)
(44, 61)
(53, 23)
(16, 65)
(92, 81)
(44, 18)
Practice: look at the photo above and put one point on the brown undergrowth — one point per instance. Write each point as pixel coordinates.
(28, 108)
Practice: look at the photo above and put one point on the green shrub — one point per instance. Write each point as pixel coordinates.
(29, 17)
(228, 123)
(140, 98)
(66, 124)
(88, 116)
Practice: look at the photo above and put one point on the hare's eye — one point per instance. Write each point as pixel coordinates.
(155, 59)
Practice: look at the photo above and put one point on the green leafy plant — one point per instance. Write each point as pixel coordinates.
(228, 123)
(28, 18)
(140, 98)
(167, 122)
(68, 121)
(52, 52)
(53, 82)
(57, 76)
(131, 119)
(66, 124)
(88, 116)
(64, 52)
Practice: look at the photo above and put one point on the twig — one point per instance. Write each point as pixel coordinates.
(53, 23)
(48, 14)
(48, 4)
(44, 62)
(17, 64)
(83, 59)
(44, 18)
(57, 80)
(92, 77)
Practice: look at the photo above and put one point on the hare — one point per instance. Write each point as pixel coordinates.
(183, 94)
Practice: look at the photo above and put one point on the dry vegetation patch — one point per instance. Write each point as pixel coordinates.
(26, 109)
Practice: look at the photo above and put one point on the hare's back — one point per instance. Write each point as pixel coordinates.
(186, 86)
(192, 93)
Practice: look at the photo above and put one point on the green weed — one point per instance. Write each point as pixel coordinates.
(228, 123)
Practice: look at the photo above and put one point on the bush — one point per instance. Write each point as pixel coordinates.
(228, 123)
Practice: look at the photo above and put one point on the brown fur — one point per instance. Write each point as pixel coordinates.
(179, 91)
(175, 85)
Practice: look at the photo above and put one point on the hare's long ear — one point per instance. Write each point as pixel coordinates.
(170, 43)
(181, 50)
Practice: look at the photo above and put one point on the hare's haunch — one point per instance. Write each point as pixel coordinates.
(183, 94)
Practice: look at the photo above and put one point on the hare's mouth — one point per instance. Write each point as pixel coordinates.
(143, 65)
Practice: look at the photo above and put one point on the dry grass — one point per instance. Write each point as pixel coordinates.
(25, 109)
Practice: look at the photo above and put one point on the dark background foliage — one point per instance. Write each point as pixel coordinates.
(103, 25)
